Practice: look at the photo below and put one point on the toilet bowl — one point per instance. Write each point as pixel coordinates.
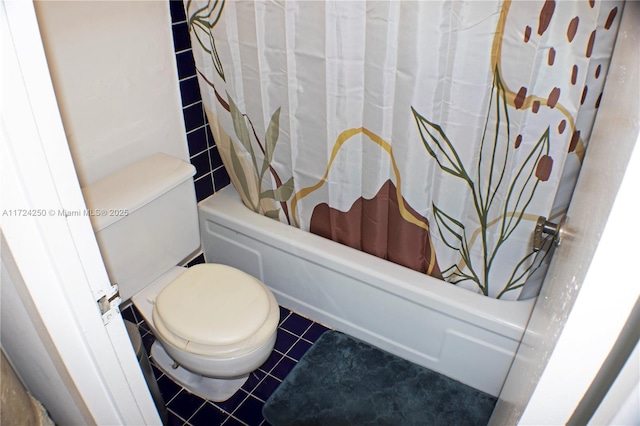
(213, 323)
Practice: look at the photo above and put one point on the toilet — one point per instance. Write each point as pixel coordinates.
(213, 324)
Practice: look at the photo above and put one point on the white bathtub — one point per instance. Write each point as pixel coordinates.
(466, 336)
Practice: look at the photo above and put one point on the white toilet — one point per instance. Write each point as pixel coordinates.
(214, 324)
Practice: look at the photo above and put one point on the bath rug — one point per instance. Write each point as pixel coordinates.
(344, 381)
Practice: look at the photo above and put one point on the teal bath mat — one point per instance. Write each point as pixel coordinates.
(343, 381)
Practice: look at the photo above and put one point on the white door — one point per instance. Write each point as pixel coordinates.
(51, 261)
(591, 286)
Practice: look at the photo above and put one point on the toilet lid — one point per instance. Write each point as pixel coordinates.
(213, 304)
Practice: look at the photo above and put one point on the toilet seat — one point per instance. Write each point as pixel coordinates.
(215, 310)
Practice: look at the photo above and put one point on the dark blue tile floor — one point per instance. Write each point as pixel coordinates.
(296, 334)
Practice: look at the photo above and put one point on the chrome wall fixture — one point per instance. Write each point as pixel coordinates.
(545, 227)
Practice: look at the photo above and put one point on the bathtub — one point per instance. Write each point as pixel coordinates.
(463, 335)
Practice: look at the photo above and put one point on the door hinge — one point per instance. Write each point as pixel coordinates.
(110, 304)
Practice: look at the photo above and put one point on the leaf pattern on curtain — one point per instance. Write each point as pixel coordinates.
(495, 149)
(250, 181)
(201, 22)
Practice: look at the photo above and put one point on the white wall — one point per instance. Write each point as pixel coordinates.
(115, 78)
(590, 288)
(601, 309)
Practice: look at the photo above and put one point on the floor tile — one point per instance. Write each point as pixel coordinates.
(147, 341)
(283, 368)
(168, 388)
(314, 332)
(143, 328)
(233, 422)
(129, 315)
(185, 404)
(208, 415)
(232, 403)
(299, 349)
(271, 362)
(254, 380)
(174, 419)
(284, 314)
(284, 341)
(266, 387)
(157, 373)
(297, 324)
(250, 411)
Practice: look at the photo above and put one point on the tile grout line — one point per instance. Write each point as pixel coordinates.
(234, 418)
(299, 338)
(204, 126)
(205, 402)
(189, 77)
(166, 404)
(175, 414)
(189, 106)
(238, 407)
(199, 153)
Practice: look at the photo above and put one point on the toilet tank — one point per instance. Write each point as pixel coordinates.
(145, 219)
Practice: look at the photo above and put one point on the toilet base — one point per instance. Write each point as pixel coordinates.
(205, 387)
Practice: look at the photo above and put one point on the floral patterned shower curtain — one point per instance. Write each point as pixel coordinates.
(429, 133)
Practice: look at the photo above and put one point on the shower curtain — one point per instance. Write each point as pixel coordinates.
(429, 133)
